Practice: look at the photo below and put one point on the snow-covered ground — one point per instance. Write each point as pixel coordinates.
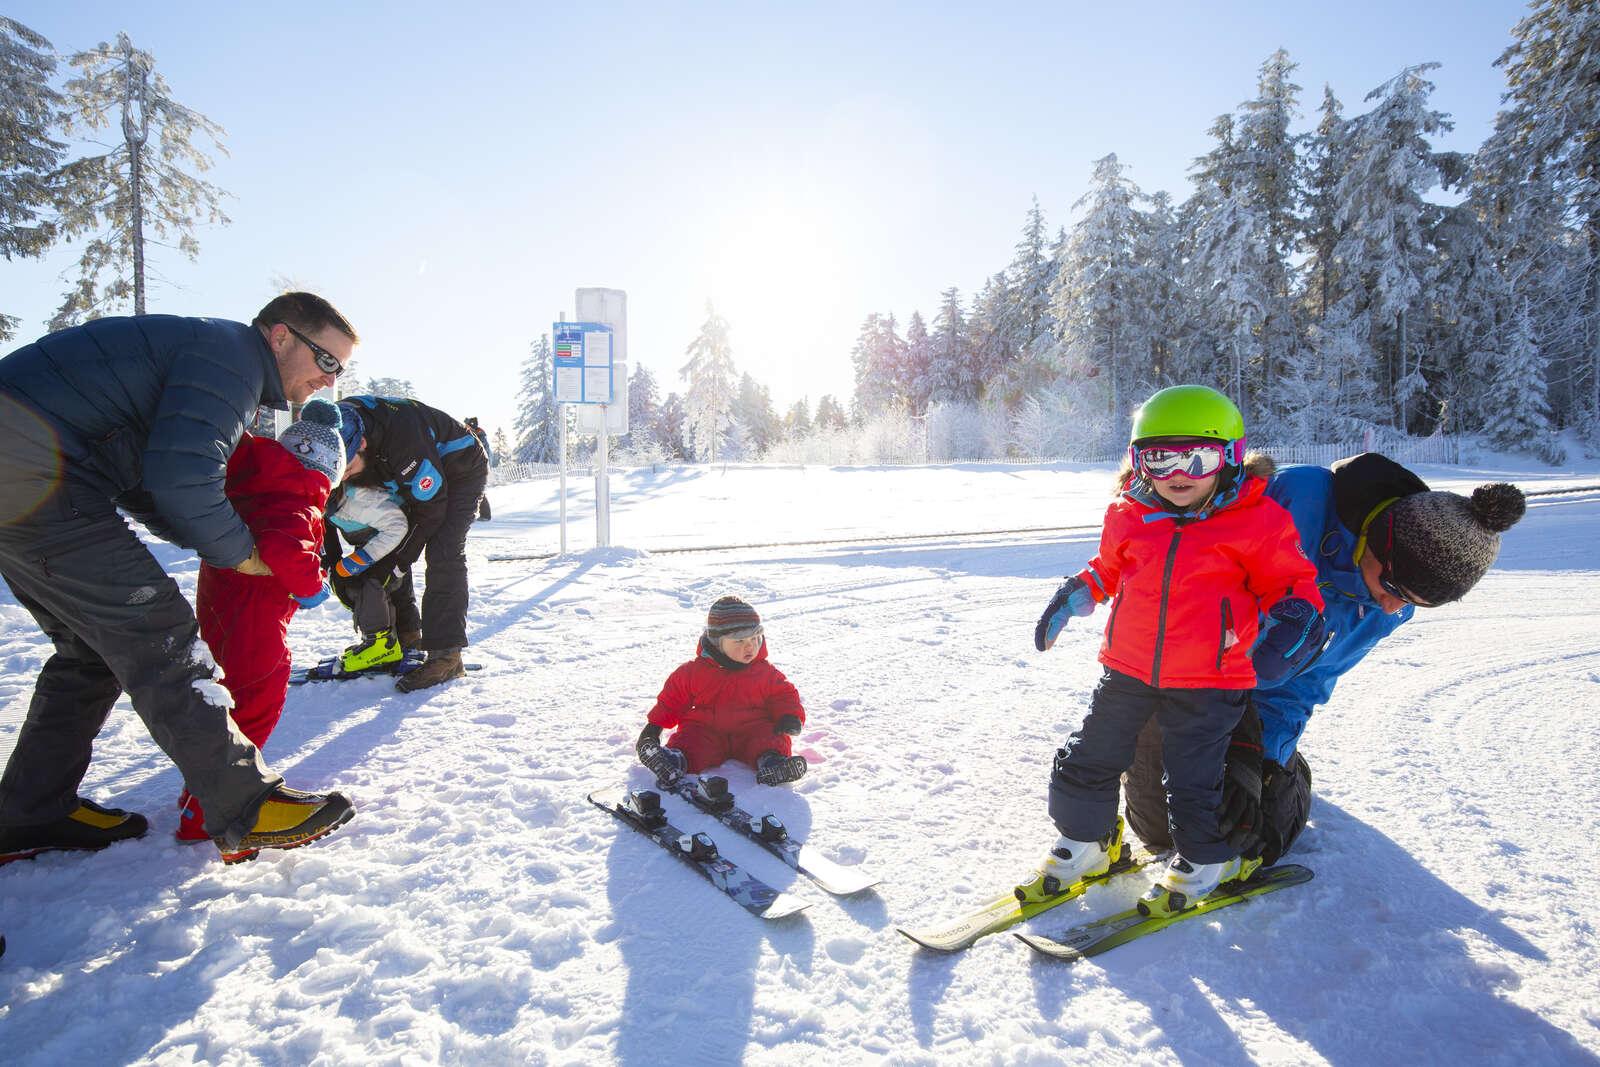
(478, 910)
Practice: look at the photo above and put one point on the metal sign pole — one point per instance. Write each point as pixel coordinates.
(602, 488)
(561, 416)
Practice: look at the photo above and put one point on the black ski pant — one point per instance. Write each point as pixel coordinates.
(1196, 726)
(444, 591)
(1285, 799)
(119, 624)
(375, 605)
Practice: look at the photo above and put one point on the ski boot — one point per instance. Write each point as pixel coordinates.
(87, 828)
(1183, 884)
(1071, 862)
(775, 769)
(287, 819)
(375, 650)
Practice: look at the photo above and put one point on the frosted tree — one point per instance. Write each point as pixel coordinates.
(797, 420)
(752, 409)
(917, 355)
(1327, 161)
(643, 408)
(708, 403)
(830, 414)
(951, 377)
(1099, 298)
(400, 387)
(537, 427)
(502, 447)
(30, 111)
(671, 423)
(878, 359)
(1028, 322)
(1553, 97)
(146, 190)
(989, 331)
(1516, 396)
(1385, 245)
(1167, 308)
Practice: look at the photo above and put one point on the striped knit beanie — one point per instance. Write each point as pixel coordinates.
(1445, 542)
(731, 617)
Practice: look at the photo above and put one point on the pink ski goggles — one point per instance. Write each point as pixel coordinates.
(1197, 460)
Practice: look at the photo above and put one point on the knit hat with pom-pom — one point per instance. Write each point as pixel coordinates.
(314, 439)
(1442, 543)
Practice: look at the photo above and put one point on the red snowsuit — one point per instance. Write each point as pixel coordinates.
(724, 713)
(245, 618)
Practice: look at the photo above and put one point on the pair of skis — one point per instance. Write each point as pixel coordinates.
(331, 670)
(1082, 940)
(641, 809)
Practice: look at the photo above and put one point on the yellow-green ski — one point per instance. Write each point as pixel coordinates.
(1002, 913)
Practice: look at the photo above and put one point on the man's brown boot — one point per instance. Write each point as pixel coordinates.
(442, 665)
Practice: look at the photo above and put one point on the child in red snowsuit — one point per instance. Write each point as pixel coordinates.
(727, 703)
(279, 489)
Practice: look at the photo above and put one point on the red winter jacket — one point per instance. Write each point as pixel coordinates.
(748, 701)
(1187, 593)
(245, 618)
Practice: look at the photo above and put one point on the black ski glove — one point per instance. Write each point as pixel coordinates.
(649, 742)
(788, 724)
(1240, 817)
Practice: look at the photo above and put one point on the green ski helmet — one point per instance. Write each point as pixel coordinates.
(1195, 411)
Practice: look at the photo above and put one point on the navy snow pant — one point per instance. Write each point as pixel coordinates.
(1196, 725)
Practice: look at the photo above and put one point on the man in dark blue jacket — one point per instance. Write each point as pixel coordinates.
(435, 468)
(1384, 545)
(141, 414)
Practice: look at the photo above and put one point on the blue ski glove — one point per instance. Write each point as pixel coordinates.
(353, 564)
(1292, 635)
(314, 599)
(1073, 598)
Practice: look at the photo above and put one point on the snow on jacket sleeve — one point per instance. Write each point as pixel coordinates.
(675, 699)
(210, 392)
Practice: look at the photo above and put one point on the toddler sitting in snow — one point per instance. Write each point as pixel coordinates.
(728, 702)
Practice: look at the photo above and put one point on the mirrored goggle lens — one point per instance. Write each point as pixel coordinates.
(1194, 462)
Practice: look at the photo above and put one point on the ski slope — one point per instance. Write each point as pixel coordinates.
(478, 910)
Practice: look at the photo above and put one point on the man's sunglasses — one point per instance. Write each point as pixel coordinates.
(1386, 558)
(327, 362)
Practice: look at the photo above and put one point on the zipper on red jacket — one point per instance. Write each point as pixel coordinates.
(1222, 637)
(1161, 619)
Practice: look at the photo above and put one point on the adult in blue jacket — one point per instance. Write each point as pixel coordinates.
(1384, 545)
(141, 414)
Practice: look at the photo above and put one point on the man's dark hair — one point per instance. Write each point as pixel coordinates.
(306, 312)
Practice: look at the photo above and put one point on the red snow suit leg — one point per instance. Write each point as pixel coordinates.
(702, 746)
(748, 746)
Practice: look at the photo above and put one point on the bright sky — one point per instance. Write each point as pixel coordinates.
(448, 174)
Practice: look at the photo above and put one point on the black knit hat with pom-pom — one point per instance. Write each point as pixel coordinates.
(1444, 542)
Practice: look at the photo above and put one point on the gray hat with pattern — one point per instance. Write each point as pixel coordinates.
(315, 440)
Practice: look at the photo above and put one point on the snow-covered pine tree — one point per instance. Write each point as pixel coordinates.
(30, 112)
(708, 403)
(797, 421)
(401, 387)
(1100, 290)
(1028, 322)
(502, 447)
(537, 429)
(145, 190)
(950, 365)
(917, 357)
(671, 427)
(1327, 159)
(1553, 100)
(989, 331)
(830, 414)
(642, 410)
(1386, 242)
(752, 409)
(1519, 414)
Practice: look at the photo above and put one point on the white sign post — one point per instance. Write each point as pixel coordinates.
(591, 372)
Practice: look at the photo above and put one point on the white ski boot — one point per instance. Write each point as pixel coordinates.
(1070, 862)
(1182, 884)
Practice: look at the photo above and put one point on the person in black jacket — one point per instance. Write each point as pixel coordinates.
(141, 414)
(434, 466)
